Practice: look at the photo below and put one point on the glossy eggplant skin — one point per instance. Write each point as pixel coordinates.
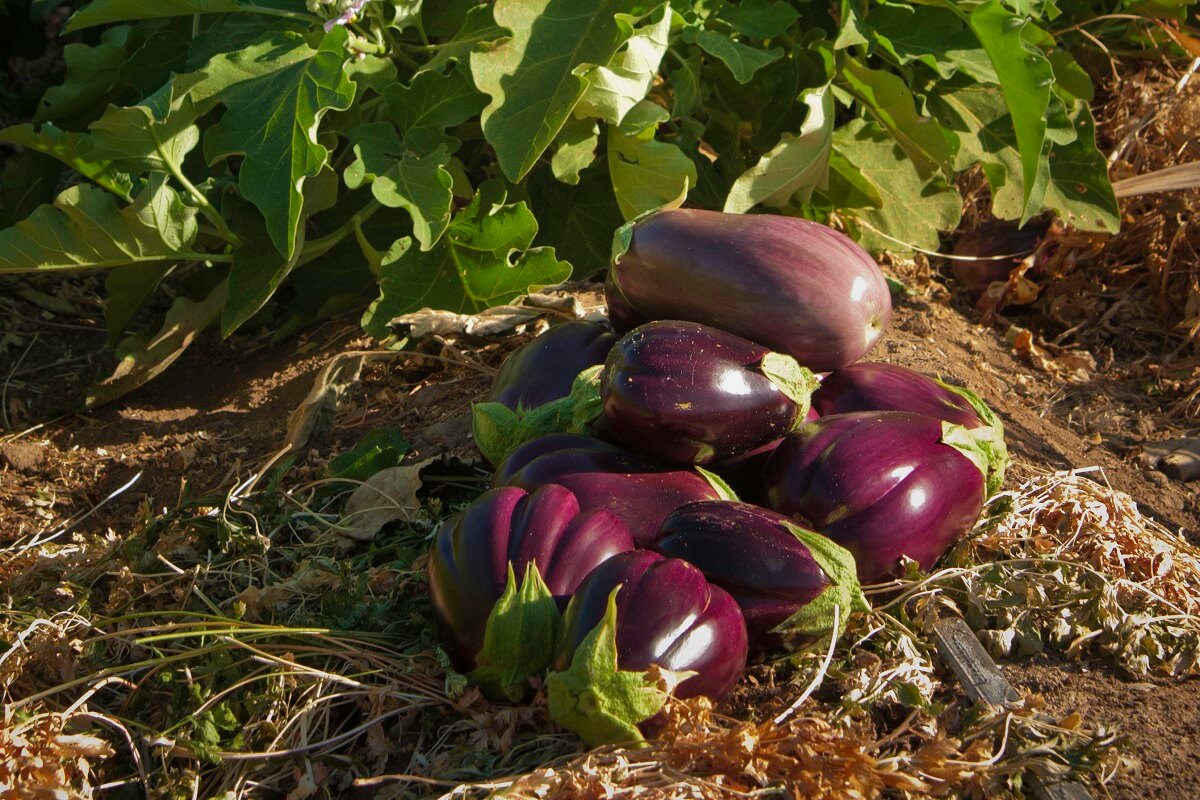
(687, 393)
(873, 386)
(544, 368)
(667, 614)
(603, 476)
(748, 552)
(621, 315)
(880, 483)
(798, 287)
(471, 553)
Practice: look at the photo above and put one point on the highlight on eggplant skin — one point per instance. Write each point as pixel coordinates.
(795, 286)
(689, 393)
(641, 492)
(749, 552)
(471, 552)
(668, 615)
(544, 368)
(876, 386)
(882, 484)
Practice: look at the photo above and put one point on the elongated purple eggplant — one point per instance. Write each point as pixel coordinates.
(796, 286)
(497, 632)
(634, 611)
(544, 368)
(639, 491)
(621, 315)
(785, 578)
(992, 251)
(883, 484)
(686, 393)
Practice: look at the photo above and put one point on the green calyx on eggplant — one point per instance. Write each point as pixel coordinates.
(786, 579)
(882, 484)
(795, 286)
(501, 572)
(692, 394)
(639, 490)
(869, 386)
(640, 620)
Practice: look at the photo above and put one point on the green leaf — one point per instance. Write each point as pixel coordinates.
(1079, 189)
(275, 93)
(575, 149)
(759, 19)
(258, 270)
(887, 97)
(498, 430)
(69, 149)
(155, 135)
(988, 440)
(614, 89)
(478, 28)
(1025, 78)
(102, 12)
(421, 186)
(151, 66)
(142, 359)
(371, 72)
(93, 75)
(28, 180)
(477, 264)
(433, 102)
(646, 173)
(522, 629)
(532, 77)
(797, 383)
(86, 229)
(743, 60)
(594, 697)
(935, 37)
(910, 211)
(816, 618)
(379, 449)
(578, 222)
(724, 490)
(128, 290)
(799, 163)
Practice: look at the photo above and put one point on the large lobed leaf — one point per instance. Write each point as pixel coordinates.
(102, 12)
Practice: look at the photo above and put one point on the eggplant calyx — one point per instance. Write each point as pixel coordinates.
(594, 697)
(623, 237)
(724, 490)
(984, 447)
(519, 640)
(498, 430)
(796, 382)
(844, 591)
(996, 449)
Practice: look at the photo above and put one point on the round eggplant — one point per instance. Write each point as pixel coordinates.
(883, 484)
(690, 394)
(639, 491)
(869, 386)
(543, 369)
(545, 540)
(635, 611)
(786, 579)
(795, 286)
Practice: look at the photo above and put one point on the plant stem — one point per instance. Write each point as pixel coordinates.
(209, 210)
(319, 247)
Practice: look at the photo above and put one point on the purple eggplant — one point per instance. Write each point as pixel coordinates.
(544, 368)
(639, 491)
(795, 286)
(690, 394)
(786, 579)
(882, 484)
(621, 315)
(992, 251)
(872, 386)
(635, 611)
(477, 557)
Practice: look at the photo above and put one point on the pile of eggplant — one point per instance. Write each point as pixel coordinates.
(613, 555)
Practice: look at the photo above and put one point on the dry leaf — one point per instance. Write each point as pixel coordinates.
(387, 496)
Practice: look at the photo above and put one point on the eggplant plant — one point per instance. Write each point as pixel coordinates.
(870, 386)
(883, 484)
(786, 578)
(640, 491)
(691, 394)
(498, 630)
(636, 611)
(795, 286)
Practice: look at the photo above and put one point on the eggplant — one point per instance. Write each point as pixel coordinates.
(982, 252)
(546, 386)
(882, 484)
(621, 315)
(493, 630)
(686, 393)
(640, 491)
(785, 578)
(870, 386)
(795, 286)
(543, 369)
(635, 611)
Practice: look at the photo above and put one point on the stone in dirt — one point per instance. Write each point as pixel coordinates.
(23, 456)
